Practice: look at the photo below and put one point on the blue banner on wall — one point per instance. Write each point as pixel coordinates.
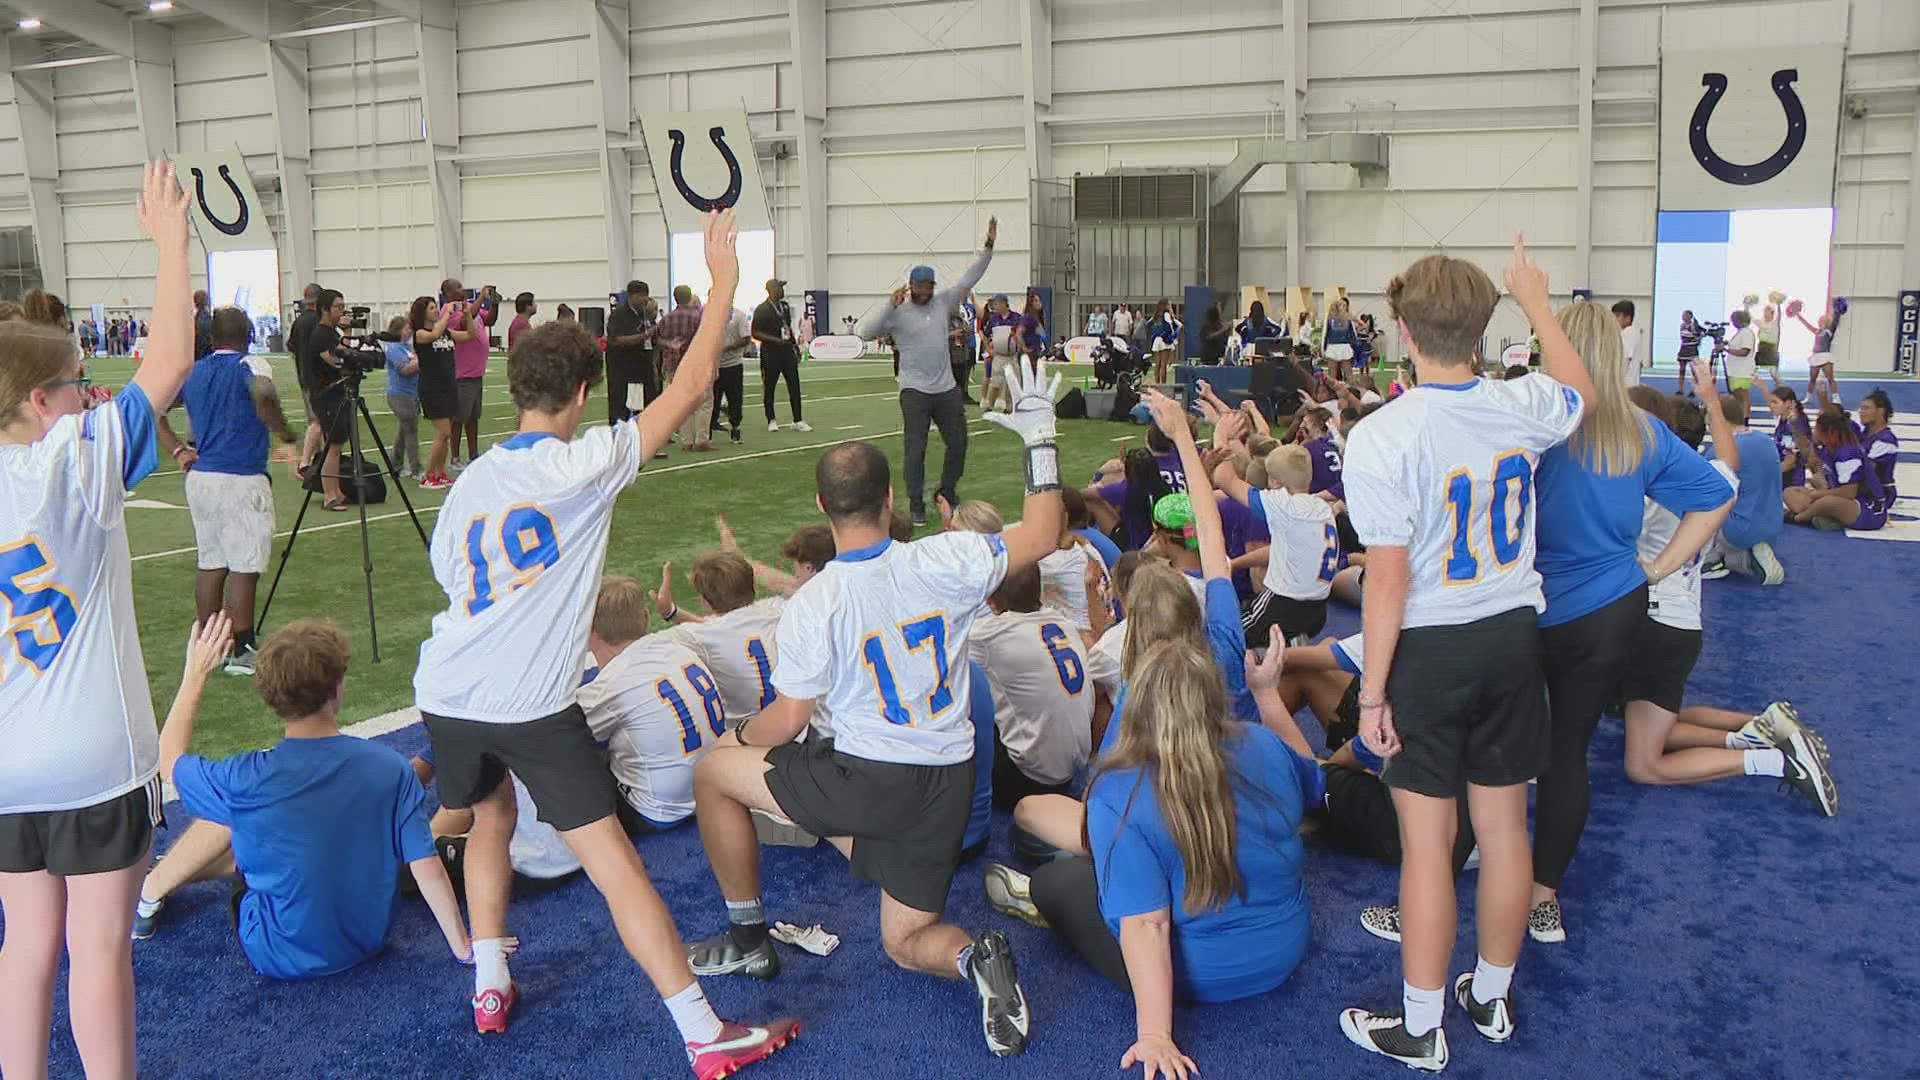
(1198, 298)
(813, 305)
(1906, 332)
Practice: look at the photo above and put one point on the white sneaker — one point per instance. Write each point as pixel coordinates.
(455, 465)
(802, 425)
(773, 425)
(1773, 573)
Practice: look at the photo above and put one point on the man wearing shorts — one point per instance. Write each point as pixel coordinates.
(233, 405)
(1741, 349)
(878, 639)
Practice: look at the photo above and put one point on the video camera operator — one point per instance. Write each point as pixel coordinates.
(327, 400)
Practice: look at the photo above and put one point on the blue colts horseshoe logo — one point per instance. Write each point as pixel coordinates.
(232, 228)
(1759, 172)
(706, 202)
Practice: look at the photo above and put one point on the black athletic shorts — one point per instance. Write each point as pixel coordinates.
(1345, 725)
(1295, 618)
(906, 821)
(554, 756)
(1358, 817)
(1470, 705)
(1659, 664)
(236, 892)
(106, 836)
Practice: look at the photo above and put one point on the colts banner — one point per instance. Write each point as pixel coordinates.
(704, 161)
(1906, 340)
(226, 210)
(1749, 128)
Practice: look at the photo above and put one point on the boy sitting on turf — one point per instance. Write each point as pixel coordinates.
(313, 831)
(735, 641)
(1042, 704)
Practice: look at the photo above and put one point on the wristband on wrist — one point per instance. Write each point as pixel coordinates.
(1376, 703)
(672, 615)
(1043, 468)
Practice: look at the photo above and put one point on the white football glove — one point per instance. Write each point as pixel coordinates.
(1032, 416)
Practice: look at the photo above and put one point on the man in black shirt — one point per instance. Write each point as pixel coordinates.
(779, 354)
(630, 358)
(327, 403)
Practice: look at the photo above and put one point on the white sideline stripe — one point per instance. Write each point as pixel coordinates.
(384, 724)
(353, 520)
(849, 427)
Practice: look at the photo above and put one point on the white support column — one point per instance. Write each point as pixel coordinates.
(293, 150)
(1036, 56)
(1910, 258)
(33, 105)
(440, 104)
(1588, 45)
(609, 25)
(807, 23)
(1293, 75)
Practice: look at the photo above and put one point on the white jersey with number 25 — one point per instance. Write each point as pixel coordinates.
(1446, 471)
(519, 548)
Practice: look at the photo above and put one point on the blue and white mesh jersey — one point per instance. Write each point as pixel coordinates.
(658, 711)
(519, 549)
(76, 717)
(880, 637)
(1446, 471)
(738, 648)
(1305, 553)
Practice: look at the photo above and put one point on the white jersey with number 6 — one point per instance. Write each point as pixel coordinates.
(1306, 544)
(738, 648)
(1037, 666)
(76, 718)
(880, 636)
(518, 549)
(658, 711)
(1446, 471)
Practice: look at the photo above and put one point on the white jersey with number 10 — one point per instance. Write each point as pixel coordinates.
(1446, 471)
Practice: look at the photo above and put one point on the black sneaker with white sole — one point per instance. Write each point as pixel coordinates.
(1806, 773)
(1544, 923)
(1494, 1020)
(1003, 1005)
(1385, 1033)
(726, 953)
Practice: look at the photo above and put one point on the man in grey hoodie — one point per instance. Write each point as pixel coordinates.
(915, 317)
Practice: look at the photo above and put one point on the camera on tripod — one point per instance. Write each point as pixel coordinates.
(1717, 332)
(359, 351)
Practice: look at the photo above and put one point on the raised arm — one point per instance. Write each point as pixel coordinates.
(1206, 512)
(207, 649)
(169, 356)
(1043, 515)
(664, 414)
(953, 294)
(1723, 445)
(1527, 283)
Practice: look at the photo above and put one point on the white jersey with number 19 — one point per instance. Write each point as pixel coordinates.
(879, 636)
(519, 549)
(76, 718)
(1446, 471)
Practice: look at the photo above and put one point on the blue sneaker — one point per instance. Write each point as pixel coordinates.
(145, 918)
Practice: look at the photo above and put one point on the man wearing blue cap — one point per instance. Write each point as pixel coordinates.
(916, 319)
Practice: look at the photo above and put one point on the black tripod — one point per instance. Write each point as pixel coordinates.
(357, 411)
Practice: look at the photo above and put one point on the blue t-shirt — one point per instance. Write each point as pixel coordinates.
(1755, 517)
(1588, 530)
(980, 710)
(320, 829)
(228, 433)
(398, 385)
(1254, 941)
(1109, 551)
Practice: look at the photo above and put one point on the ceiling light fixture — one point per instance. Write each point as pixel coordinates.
(158, 6)
(29, 24)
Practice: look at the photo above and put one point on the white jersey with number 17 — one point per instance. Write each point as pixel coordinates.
(1446, 471)
(518, 549)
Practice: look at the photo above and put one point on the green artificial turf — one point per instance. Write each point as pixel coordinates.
(765, 488)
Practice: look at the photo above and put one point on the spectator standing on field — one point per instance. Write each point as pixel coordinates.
(630, 351)
(469, 330)
(729, 385)
(403, 396)
(524, 310)
(779, 353)
(673, 335)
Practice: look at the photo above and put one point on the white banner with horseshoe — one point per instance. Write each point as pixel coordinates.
(704, 161)
(1749, 128)
(226, 210)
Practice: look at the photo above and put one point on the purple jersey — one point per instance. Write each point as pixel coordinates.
(1326, 468)
(1242, 528)
(1174, 473)
(1882, 449)
(1783, 438)
(1848, 465)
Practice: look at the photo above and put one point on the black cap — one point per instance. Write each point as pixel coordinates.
(636, 286)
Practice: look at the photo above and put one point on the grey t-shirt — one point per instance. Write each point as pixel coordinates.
(739, 336)
(919, 331)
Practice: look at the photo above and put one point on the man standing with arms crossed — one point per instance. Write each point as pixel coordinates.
(779, 354)
(916, 319)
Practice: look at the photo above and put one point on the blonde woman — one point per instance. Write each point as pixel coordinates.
(1339, 340)
(79, 787)
(1591, 494)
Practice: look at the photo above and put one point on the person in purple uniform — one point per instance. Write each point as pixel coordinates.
(1792, 434)
(1877, 440)
(1849, 494)
(1317, 437)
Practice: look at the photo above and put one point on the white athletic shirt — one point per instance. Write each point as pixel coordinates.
(1063, 584)
(1446, 471)
(738, 649)
(1103, 660)
(518, 549)
(535, 849)
(1037, 666)
(76, 718)
(658, 711)
(880, 635)
(1305, 552)
(1742, 367)
(1630, 350)
(1675, 600)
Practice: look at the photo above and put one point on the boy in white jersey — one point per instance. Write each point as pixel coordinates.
(880, 637)
(1440, 488)
(736, 641)
(1036, 664)
(653, 703)
(518, 549)
(1305, 553)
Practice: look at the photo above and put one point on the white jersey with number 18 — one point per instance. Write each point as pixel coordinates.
(518, 549)
(1446, 471)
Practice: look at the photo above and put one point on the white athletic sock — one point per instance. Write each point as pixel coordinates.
(1748, 737)
(1490, 981)
(693, 1016)
(147, 908)
(490, 965)
(1765, 763)
(1423, 1008)
(746, 912)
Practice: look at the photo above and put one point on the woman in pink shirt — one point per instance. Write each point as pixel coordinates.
(469, 330)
